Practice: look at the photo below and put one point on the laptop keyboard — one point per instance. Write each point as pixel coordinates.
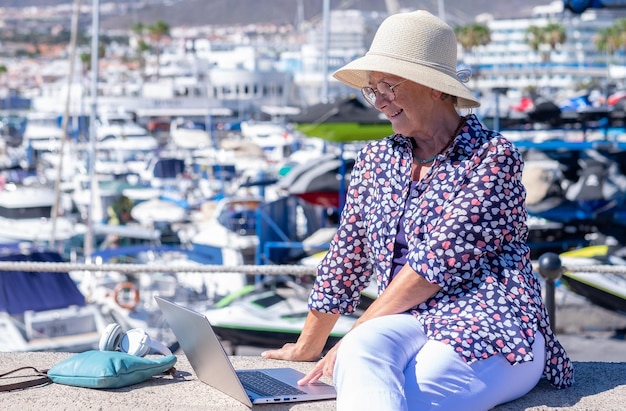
(263, 384)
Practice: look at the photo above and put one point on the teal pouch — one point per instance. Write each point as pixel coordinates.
(108, 369)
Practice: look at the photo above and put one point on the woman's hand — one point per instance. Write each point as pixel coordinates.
(323, 367)
(311, 342)
(291, 352)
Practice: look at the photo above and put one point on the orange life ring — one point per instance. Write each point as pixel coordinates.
(126, 295)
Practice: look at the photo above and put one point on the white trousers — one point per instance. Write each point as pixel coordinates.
(388, 363)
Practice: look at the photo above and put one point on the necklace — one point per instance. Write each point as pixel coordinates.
(431, 159)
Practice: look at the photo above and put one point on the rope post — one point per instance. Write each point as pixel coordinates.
(550, 269)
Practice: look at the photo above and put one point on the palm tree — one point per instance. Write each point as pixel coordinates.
(607, 39)
(154, 34)
(138, 28)
(142, 48)
(620, 27)
(545, 39)
(610, 39)
(534, 39)
(471, 36)
(157, 32)
(3, 70)
(554, 35)
(85, 58)
(140, 45)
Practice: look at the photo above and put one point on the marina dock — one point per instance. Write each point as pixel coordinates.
(599, 386)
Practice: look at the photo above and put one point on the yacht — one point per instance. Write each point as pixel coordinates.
(121, 131)
(25, 215)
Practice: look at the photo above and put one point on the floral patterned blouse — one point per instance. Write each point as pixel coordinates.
(466, 232)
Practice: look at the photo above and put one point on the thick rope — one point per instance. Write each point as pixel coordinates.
(600, 269)
(297, 270)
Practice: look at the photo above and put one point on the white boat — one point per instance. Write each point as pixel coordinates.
(158, 210)
(45, 311)
(214, 285)
(11, 157)
(228, 223)
(275, 139)
(121, 132)
(189, 134)
(164, 170)
(128, 299)
(25, 215)
(43, 131)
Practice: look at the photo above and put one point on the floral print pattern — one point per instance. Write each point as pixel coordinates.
(466, 232)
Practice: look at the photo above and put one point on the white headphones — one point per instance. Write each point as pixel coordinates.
(135, 342)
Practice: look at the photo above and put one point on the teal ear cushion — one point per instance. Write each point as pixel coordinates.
(108, 369)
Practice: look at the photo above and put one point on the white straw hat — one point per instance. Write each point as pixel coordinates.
(416, 46)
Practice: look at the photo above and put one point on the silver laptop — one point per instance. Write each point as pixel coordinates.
(213, 367)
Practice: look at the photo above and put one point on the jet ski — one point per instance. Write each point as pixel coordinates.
(268, 315)
(607, 290)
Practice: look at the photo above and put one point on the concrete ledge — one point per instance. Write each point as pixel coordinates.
(599, 386)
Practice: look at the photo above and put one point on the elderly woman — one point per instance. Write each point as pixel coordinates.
(435, 214)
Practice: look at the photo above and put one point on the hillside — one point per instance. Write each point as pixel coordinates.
(235, 12)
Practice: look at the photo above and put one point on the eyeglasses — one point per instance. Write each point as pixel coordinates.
(382, 88)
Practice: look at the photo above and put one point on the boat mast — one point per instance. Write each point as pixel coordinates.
(66, 115)
(88, 244)
(325, 39)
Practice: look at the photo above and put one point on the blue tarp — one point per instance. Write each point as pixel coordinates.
(199, 253)
(38, 291)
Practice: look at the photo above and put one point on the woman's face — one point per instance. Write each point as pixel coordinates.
(411, 108)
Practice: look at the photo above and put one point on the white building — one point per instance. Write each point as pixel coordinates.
(508, 61)
(242, 69)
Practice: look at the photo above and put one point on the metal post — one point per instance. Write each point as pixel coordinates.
(496, 114)
(550, 269)
(550, 303)
(497, 92)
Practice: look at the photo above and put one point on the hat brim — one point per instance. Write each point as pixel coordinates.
(356, 74)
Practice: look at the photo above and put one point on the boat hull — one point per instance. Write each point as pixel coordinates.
(268, 318)
(346, 132)
(261, 338)
(604, 290)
